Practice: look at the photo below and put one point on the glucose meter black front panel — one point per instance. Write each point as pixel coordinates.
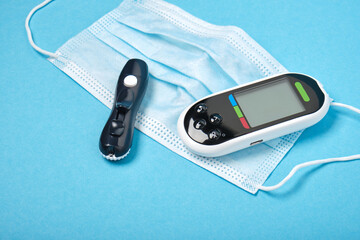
(246, 109)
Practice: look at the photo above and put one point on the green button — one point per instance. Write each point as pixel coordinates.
(302, 92)
(238, 112)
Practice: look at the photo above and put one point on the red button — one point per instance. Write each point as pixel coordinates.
(244, 123)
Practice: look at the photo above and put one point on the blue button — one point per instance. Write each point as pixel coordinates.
(232, 100)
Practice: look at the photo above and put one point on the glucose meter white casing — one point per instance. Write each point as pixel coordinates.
(252, 113)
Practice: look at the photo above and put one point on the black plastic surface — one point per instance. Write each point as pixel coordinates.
(116, 137)
(230, 126)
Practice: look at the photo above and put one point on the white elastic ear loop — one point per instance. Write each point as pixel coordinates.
(346, 106)
(28, 30)
(316, 162)
(302, 165)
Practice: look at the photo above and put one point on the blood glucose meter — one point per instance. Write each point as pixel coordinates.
(249, 114)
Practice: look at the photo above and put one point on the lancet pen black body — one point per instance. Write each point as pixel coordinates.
(116, 137)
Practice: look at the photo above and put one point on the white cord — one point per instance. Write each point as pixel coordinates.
(328, 160)
(302, 165)
(28, 30)
(346, 106)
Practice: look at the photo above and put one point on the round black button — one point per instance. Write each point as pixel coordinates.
(215, 118)
(199, 124)
(200, 108)
(215, 134)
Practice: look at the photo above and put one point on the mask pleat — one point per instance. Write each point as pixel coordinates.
(223, 67)
(229, 60)
(184, 58)
(160, 70)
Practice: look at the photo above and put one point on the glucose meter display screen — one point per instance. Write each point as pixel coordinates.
(269, 102)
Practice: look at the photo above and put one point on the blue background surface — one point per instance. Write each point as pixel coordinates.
(55, 185)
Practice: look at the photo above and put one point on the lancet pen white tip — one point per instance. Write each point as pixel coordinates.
(29, 34)
(114, 158)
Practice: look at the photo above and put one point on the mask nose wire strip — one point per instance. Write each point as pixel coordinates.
(316, 162)
(28, 30)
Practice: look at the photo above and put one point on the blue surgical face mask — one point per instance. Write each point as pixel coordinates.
(188, 59)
